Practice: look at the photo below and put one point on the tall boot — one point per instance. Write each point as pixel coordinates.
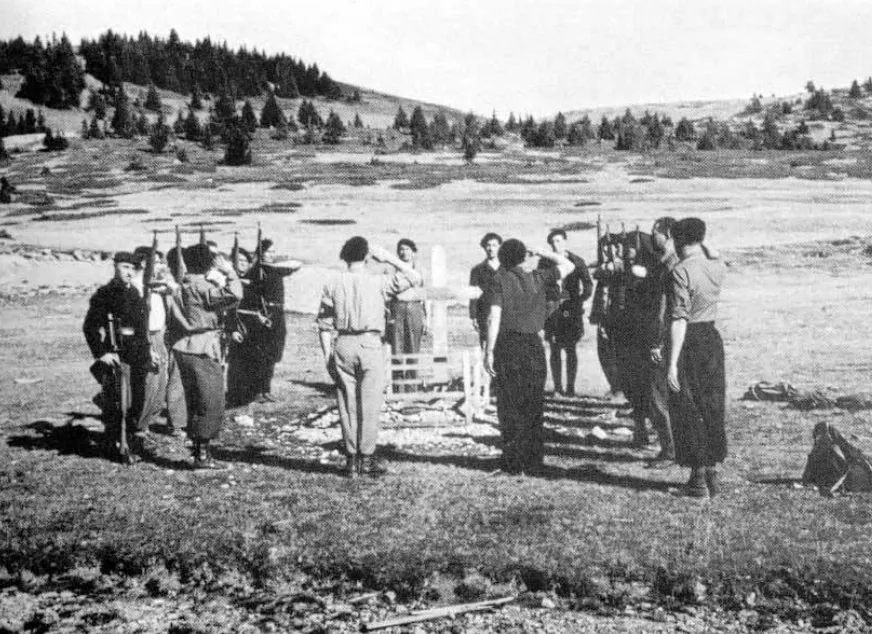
(571, 370)
(556, 369)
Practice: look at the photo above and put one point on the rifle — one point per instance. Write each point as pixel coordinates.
(261, 276)
(599, 241)
(147, 281)
(181, 269)
(120, 393)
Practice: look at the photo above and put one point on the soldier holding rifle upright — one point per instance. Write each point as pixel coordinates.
(116, 331)
(267, 284)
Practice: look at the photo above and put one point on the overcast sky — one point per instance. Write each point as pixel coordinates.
(526, 56)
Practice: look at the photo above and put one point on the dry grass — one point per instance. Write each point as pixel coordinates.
(598, 527)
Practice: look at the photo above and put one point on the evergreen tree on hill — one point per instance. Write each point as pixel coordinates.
(333, 129)
(606, 132)
(420, 130)
(52, 75)
(249, 120)
(685, 131)
(512, 123)
(492, 128)
(286, 83)
(867, 85)
(545, 135)
(358, 122)
(193, 130)
(440, 129)
(575, 136)
(470, 140)
(854, 92)
(308, 115)
(141, 127)
(159, 135)
(401, 121)
(152, 99)
(94, 131)
(559, 128)
(11, 125)
(528, 130)
(179, 124)
(270, 116)
(238, 150)
(122, 123)
(196, 98)
(29, 121)
(810, 87)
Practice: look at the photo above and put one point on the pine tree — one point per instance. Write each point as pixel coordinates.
(493, 127)
(803, 127)
(11, 125)
(308, 115)
(179, 124)
(30, 121)
(121, 120)
(810, 87)
(193, 130)
(420, 131)
(4, 155)
(440, 130)
(854, 92)
(528, 130)
(358, 122)
(85, 130)
(270, 116)
(771, 136)
(685, 131)
(238, 150)
(470, 140)
(97, 103)
(545, 135)
(867, 85)
(401, 121)
(94, 131)
(576, 136)
(606, 132)
(512, 123)
(196, 98)
(152, 99)
(159, 136)
(141, 127)
(560, 129)
(334, 129)
(40, 121)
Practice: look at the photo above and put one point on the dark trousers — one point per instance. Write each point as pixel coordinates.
(608, 362)
(519, 361)
(248, 373)
(203, 382)
(155, 384)
(557, 366)
(697, 410)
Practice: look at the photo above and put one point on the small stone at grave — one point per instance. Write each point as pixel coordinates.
(598, 433)
(622, 431)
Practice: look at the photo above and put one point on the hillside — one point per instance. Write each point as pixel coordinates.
(377, 110)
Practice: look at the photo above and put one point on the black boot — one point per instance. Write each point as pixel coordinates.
(696, 485)
(372, 467)
(352, 466)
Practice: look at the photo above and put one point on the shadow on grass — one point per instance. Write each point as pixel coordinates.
(256, 456)
(587, 473)
(76, 440)
(324, 387)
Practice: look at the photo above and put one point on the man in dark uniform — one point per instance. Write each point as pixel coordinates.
(514, 353)
(482, 275)
(267, 285)
(120, 299)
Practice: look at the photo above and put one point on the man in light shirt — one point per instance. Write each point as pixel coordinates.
(162, 284)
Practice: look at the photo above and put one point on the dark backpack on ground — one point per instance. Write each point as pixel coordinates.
(836, 465)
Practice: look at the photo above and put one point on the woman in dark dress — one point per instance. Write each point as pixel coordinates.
(696, 360)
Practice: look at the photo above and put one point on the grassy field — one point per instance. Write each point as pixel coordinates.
(598, 529)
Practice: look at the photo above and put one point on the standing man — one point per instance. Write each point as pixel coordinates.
(161, 285)
(696, 360)
(408, 318)
(198, 353)
(352, 307)
(514, 353)
(267, 283)
(482, 276)
(120, 299)
(658, 337)
(564, 326)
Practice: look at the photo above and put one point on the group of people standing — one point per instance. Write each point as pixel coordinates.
(169, 325)
(655, 309)
(164, 329)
